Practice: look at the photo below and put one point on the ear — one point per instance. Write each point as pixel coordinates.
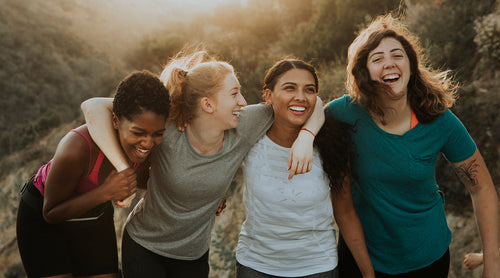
(116, 121)
(207, 105)
(268, 96)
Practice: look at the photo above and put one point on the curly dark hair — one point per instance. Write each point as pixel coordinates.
(138, 92)
(335, 144)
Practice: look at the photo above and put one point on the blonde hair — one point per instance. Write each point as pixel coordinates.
(190, 77)
(429, 93)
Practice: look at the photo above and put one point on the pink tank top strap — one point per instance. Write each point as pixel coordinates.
(90, 148)
(93, 176)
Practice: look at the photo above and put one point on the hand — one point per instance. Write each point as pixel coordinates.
(301, 154)
(222, 206)
(126, 202)
(120, 185)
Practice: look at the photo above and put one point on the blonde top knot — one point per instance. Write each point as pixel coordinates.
(189, 77)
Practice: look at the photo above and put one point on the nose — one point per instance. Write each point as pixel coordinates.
(300, 95)
(389, 65)
(241, 100)
(148, 142)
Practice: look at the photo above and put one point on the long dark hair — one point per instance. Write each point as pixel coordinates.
(334, 144)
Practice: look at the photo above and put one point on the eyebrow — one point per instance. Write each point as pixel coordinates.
(293, 83)
(381, 52)
(143, 130)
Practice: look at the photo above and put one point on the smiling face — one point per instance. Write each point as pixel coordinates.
(388, 63)
(139, 136)
(228, 103)
(293, 98)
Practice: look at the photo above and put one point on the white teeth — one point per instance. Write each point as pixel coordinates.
(142, 151)
(391, 77)
(236, 113)
(297, 108)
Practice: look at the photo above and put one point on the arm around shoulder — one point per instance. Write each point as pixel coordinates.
(98, 115)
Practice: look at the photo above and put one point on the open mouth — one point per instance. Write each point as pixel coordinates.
(390, 78)
(142, 152)
(297, 108)
(236, 113)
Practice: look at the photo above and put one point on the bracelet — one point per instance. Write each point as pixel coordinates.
(305, 129)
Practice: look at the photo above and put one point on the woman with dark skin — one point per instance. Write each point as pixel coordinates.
(402, 122)
(65, 222)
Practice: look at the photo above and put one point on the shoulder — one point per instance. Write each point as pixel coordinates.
(344, 109)
(73, 149)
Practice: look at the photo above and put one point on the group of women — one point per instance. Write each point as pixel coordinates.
(368, 160)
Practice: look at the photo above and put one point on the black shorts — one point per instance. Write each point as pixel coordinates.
(85, 247)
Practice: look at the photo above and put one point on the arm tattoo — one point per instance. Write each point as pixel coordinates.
(467, 173)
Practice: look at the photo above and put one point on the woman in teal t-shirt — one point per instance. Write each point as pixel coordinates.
(402, 120)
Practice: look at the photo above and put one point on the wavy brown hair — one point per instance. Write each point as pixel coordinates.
(430, 93)
(190, 77)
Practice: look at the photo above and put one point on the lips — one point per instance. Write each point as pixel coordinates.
(392, 77)
(142, 153)
(297, 108)
(236, 114)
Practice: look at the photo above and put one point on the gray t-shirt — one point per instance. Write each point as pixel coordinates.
(175, 217)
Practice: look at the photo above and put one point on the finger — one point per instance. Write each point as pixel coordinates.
(290, 160)
(290, 175)
(309, 166)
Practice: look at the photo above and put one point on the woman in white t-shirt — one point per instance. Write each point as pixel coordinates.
(289, 229)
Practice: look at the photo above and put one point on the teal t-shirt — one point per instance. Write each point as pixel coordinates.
(395, 194)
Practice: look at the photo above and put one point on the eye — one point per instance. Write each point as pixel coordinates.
(138, 133)
(311, 90)
(289, 88)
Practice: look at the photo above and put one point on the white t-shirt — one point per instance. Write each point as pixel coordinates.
(289, 226)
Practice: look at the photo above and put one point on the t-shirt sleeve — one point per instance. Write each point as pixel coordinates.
(254, 121)
(460, 144)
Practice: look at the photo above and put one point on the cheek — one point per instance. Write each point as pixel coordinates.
(373, 71)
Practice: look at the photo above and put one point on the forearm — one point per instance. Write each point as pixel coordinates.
(352, 232)
(485, 203)
(74, 207)
(315, 122)
(98, 115)
(351, 229)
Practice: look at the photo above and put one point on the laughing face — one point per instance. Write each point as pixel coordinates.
(293, 98)
(388, 63)
(229, 102)
(139, 136)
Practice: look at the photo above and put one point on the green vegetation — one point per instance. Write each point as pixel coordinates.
(46, 72)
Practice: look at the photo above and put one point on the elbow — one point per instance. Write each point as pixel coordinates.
(49, 217)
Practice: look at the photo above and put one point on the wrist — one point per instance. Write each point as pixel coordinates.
(308, 131)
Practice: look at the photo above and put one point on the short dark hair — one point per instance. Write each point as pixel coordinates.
(138, 92)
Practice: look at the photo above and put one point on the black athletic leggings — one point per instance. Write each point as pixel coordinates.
(349, 268)
(139, 262)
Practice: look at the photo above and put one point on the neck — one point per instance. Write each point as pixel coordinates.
(283, 135)
(397, 116)
(205, 138)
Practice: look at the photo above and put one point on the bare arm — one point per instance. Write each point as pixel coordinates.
(70, 163)
(301, 153)
(98, 115)
(351, 229)
(476, 178)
